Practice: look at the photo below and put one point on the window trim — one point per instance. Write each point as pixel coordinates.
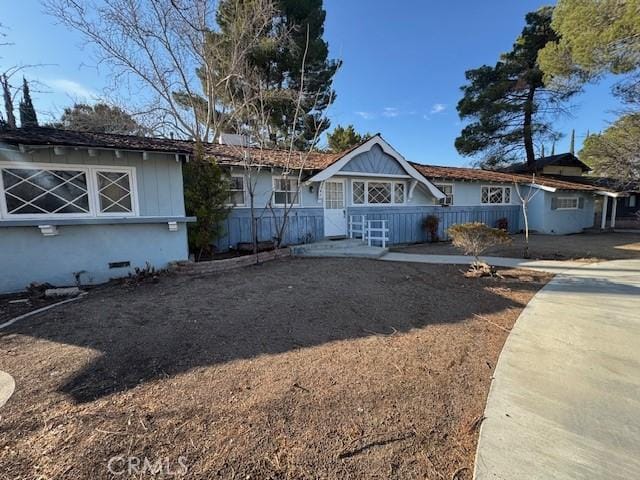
(273, 191)
(366, 182)
(244, 192)
(573, 197)
(452, 185)
(503, 187)
(92, 190)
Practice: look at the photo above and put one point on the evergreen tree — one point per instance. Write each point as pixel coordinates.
(10, 120)
(101, 118)
(343, 138)
(553, 148)
(28, 117)
(508, 103)
(572, 145)
(281, 69)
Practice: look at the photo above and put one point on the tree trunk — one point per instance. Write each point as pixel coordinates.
(528, 131)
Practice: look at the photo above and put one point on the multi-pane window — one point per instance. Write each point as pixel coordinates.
(236, 191)
(365, 192)
(566, 203)
(494, 195)
(447, 189)
(114, 192)
(30, 191)
(358, 193)
(285, 191)
(62, 191)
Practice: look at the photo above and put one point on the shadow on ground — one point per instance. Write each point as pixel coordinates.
(159, 330)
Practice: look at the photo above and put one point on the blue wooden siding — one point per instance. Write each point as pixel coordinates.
(374, 161)
(304, 225)
(405, 223)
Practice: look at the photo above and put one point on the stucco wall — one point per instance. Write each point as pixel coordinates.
(27, 256)
(89, 244)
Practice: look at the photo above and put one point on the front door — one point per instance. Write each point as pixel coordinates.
(335, 213)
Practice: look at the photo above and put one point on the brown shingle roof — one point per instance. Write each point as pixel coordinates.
(479, 175)
(225, 154)
(233, 155)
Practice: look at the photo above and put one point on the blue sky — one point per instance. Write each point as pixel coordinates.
(404, 63)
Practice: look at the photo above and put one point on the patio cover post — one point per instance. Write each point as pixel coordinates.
(603, 220)
(613, 212)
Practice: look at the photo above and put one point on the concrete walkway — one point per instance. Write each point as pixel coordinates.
(565, 399)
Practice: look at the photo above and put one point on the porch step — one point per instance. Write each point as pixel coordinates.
(339, 248)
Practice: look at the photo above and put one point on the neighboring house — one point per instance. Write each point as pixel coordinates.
(89, 207)
(84, 208)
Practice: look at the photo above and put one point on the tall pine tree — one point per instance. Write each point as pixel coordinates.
(281, 69)
(508, 104)
(28, 117)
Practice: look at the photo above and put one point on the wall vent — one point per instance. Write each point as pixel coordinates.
(119, 264)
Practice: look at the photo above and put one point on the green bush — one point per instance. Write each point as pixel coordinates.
(206, 192)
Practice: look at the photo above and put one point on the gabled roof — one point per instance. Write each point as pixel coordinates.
(560, 160)
(365, 146)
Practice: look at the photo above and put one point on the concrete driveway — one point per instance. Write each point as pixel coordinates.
(565, 402)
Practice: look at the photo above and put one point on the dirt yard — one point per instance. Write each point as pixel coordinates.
(299, 368)
(589, 247)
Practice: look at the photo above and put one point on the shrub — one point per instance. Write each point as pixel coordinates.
(206, 192)
(503, 224)
(474, 239)
(430, 226)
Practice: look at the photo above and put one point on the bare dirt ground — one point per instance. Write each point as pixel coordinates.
(298, 368)
(590, 247)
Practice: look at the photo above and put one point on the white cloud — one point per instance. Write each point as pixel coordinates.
(72, 88)
(366, 115)
(390, 112)
(438, 108)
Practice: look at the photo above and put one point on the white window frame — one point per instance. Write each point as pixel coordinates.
(443, 201)
(366, 182)
(273, 191)
(90, 172)
(244, 192)
(504, 188)
(573, 198)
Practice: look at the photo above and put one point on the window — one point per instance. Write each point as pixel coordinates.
(114, 191)
(632, 201)
(379, 192)
(495, 195)
(398, 193)
(236, 191)
(358, 193)
(447, 189)
(334, 195)
(29, 191)
(285, 191)
(567, 203)
(365, 192)
(49, 191)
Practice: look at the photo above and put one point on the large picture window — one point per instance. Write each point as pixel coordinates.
(365, 192)
(495, 195)
(59, 191)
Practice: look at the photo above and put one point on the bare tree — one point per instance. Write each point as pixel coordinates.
(525, 199)
(169, 48)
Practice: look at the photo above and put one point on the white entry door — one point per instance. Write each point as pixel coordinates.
(335, 213)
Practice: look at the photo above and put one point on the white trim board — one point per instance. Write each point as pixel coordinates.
(335, 167)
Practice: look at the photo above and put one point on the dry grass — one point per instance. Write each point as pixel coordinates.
(300, 368)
